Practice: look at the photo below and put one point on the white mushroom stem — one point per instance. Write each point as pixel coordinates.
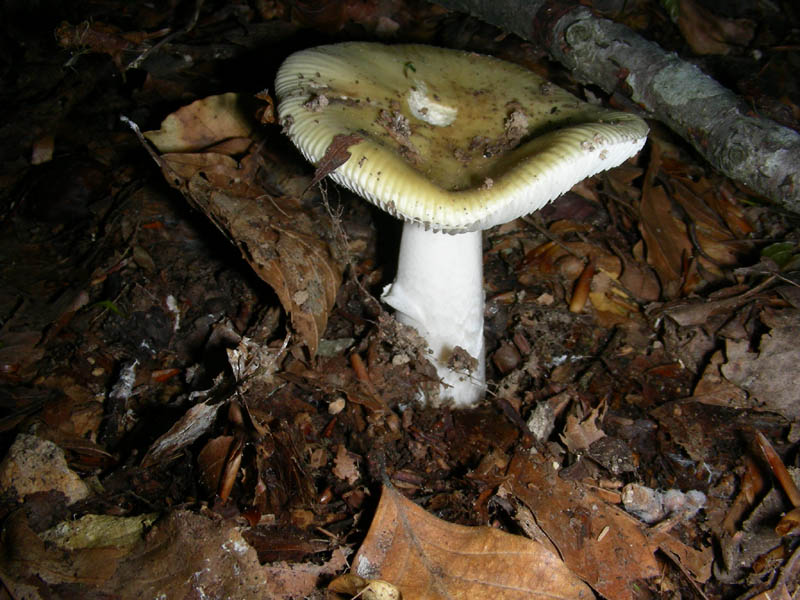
(439, 291)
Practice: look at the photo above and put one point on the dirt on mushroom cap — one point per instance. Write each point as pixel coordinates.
(438, 124)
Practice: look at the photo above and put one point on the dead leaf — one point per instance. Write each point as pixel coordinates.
(281, 240)
(43, 148)
(184, 555)
(336, 154)
(98, 531)
(767, 373)
(426, 557)
(201, 124)
(550, 257)
(665, 238)
(751, 486)
(613, 306)
(693, 562)
(33, 464)
(580, 291)
(266, 114)
(639, 279)
(723, 201)
(296, 260)
(185, 431)
(713, 388)
(707, 33)
(221, 171)
(345, 466)
(779, 470)
(579, 434)
(103, 38)
(358, 587)
(602, 545)
(27, 557)
(211, 460)
(712, 235)
(704, 431)
(688, 242)
(18, 351)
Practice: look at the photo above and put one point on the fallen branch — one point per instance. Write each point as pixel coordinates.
(750, 149)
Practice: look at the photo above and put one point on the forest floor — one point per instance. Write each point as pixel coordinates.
(178, 421)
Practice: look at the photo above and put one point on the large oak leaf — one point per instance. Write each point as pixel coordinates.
(426, 557)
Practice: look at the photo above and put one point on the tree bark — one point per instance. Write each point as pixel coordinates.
(750, 149)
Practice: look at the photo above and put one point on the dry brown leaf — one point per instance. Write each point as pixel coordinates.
(768, 373)
(201, 124)
(604, 546)
(290, 257)
(336, 154)
(779, 592)
(693, 562)
(639, 279)
(697, 312)
(426, 557)
(724, 203)
(713, 388)
(665, 237)
(613, 306)
(103, 38)
(580, 291)
(221, 172)
(281, 240)
(357, 587)
(19, 350)
(266, 114)
(194, 423)
(35, 465)
(345, 466)
(28, 562)
(688, 242)
(211, 460)
(778, 468)
(550, 256)
(712, 235)
(707, 33)
(580, 434)
(98, 531)
(184, 555)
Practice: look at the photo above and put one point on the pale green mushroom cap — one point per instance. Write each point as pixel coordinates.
(453, 140)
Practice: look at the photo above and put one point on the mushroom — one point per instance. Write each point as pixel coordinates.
(453, 143)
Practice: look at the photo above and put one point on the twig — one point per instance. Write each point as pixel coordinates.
(344, 243)
(753, 150)
(142, 140)
(136, 62)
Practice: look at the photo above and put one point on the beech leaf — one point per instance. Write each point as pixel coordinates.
(284, 241)
(604, 546)
(201, 124)
(426, 557)
(665, 237)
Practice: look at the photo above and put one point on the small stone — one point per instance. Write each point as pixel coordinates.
(337, 406)
(398, 360)
(506, 358)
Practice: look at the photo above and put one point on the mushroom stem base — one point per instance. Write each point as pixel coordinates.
(439, 291)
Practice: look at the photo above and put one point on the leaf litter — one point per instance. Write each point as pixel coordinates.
(275, 235)
(429, 558)
(640, 333)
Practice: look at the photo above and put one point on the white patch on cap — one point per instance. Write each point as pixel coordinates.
(425, 108)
